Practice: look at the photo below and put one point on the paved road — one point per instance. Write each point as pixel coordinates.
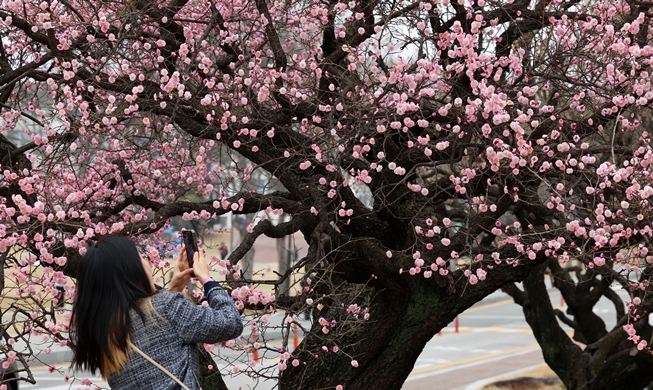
(493, 340)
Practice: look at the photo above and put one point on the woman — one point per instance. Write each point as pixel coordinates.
(137, 337)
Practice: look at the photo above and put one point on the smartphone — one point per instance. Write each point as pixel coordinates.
(188, 238)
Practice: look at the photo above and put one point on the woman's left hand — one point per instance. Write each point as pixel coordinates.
(181, 273)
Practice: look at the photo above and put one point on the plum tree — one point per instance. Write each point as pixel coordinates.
(429, 152)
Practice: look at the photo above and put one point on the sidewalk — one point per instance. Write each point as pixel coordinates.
(459, 378)
(49, 353)
(59, 355)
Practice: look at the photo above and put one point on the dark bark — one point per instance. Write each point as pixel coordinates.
(405, 315)
(406, 311)
(580, 299)
(560, 353)
(210, 379)
(629, 369)
(610, 362)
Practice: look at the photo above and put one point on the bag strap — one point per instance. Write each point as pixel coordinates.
(160, 367)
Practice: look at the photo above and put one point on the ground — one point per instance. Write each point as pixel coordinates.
(540, 378)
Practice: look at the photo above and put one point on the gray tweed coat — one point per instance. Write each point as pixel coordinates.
(171, 338)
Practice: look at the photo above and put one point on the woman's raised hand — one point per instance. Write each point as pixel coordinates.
(200, 267)
(181, 273)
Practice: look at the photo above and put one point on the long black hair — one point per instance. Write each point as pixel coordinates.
(111, 280)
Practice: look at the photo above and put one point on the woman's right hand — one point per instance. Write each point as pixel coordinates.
(200, 267)
(181, 273)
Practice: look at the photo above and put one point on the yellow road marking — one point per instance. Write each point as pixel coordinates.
(489, 329)
(488, 306)
(495, 304)
(496, 329)
(474, 359)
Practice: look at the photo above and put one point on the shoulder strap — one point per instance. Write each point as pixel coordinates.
(160, 367)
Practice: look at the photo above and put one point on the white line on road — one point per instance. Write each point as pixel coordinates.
(430, 362)
(480, 384)
(460, 349)
(453, 366)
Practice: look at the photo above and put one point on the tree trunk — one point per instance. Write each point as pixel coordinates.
(590, 326)
(210, 379)
(247, 264)
(560, 353)
(247, 261)
(397, 334)
(628, 370)
(609, 363)
(404, 316)
(282, 258)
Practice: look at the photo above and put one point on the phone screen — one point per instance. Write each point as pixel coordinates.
(190, 243)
